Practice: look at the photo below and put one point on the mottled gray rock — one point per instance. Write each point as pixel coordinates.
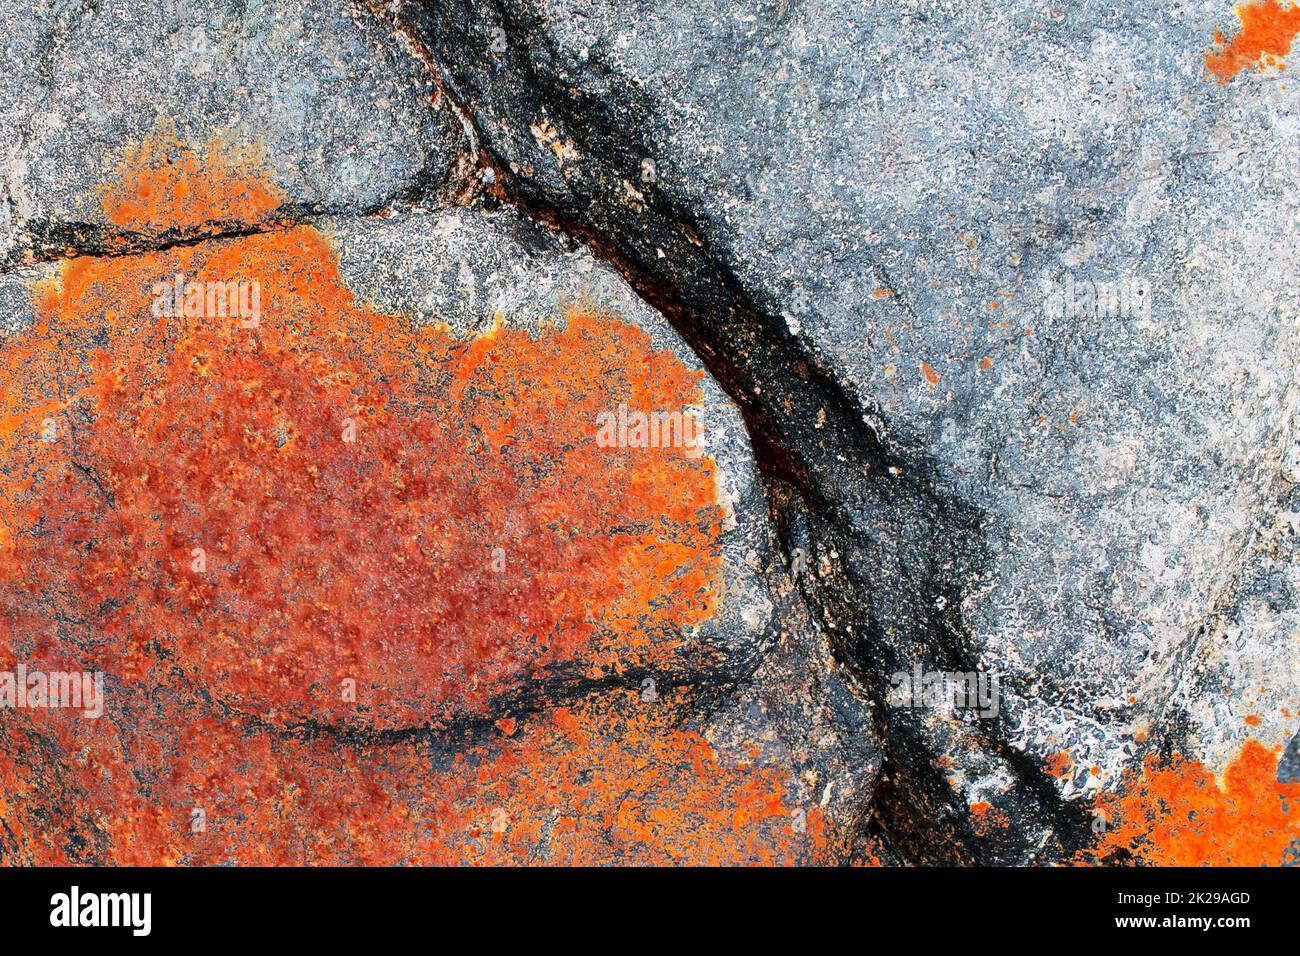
(1244, 681)
(470, 268)
(888, 201)
(1288, 770)
(16, 311)
(805, 711)
(339, 110)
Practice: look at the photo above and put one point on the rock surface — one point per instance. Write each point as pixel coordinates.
(703, 682)
(338, 107)
(1043, 257)
(988, 311)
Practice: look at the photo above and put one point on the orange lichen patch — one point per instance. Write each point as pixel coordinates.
(869, 853)
(985, 818)
(1267, 30)
(577, 789)
(334, 496)
(610, 780)
(279, 534)
(1252, 720)
(165, 184)
(1177, 814)
(882, 293)
(931, 376)
(321, 512)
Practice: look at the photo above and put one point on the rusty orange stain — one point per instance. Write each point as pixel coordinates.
(985, 818)
(931, 376)
(202, 530)
(1267, 31)
(368, 560)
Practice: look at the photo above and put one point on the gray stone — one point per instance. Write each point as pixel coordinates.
(16, 313)
(769, 168)
(338, 109)
(1244, 681)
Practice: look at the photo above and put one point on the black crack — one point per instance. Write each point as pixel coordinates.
(881, 552)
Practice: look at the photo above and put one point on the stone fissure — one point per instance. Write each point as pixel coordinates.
(847, 476)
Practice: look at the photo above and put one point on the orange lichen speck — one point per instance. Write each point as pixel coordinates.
(1059, 765)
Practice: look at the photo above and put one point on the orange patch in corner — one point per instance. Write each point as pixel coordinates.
(1177, 814)
(241, 523)
(1267, 31)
